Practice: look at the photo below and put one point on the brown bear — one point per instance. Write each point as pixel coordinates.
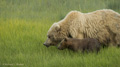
(87, 44)
(103, 25)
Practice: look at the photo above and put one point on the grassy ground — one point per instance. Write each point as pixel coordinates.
(24, 25)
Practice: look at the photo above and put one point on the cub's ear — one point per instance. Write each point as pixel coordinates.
(66, 39)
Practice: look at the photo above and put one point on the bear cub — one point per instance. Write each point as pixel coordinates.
(86, 44)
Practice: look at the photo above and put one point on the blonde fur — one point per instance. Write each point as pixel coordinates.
(101, 24)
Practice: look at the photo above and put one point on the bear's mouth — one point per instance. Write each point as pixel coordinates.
(60, 48)
(47, 46)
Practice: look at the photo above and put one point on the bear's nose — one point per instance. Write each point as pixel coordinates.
(44, 44)
(58, 48)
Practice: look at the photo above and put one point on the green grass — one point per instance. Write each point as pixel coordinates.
(23, 29)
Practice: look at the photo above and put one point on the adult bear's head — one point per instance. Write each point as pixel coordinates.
(55, 35)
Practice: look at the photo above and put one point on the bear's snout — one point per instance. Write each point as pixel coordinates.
(60, 48)
(46, 45)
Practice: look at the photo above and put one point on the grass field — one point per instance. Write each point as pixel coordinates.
(24, 25)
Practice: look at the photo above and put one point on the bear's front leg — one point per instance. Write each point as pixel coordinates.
(80, 36)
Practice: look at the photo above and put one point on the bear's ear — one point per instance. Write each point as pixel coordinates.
(65, 39)
(57, 27)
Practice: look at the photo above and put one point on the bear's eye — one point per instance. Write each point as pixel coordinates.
(48, 36)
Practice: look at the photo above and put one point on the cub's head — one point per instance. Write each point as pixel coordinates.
(64, 44)
(54, 35)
